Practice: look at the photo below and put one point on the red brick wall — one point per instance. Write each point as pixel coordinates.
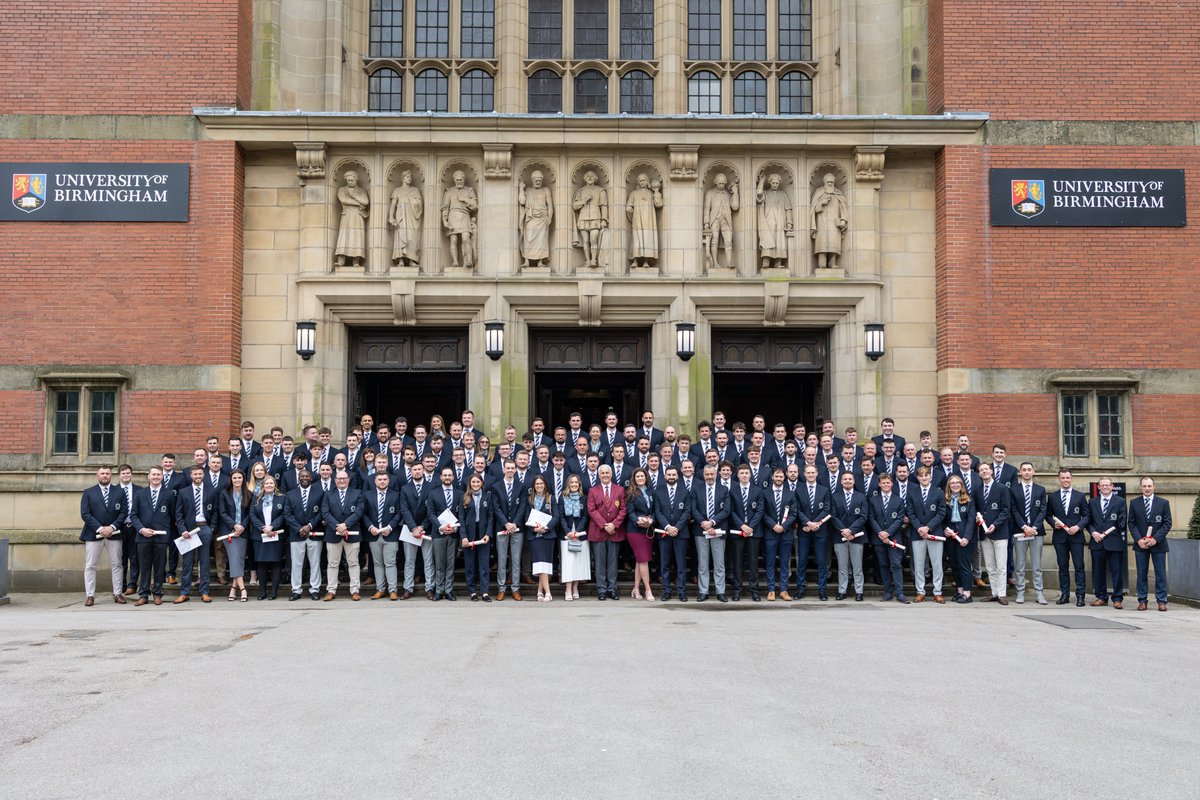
(21, 413)
(1071, 59)
(179, 422)
(988, 420)
(123, 56)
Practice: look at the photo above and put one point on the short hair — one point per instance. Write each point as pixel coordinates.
(323, 430)
(999, 447)
(850, 429)
(169, 455)
(124, 466)
(1023, 463)
(1064, 470)
(923, 434)
(885, 477)
(887, 419)
(247, 424)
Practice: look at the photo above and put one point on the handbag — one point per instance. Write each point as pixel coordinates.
(574, 545)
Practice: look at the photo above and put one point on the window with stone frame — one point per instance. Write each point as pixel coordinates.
(385, 91)
(82, 418)
(749, 93)
(431, 91)
(637, 92)
(795, 93)
(545, 92)
(545, 29)
(637, 29)
(704, 93)
(477, 92)
(477, 36)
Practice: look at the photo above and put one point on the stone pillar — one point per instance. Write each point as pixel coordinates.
(680, 222)
(512, 42)
(316, 244)
(863, 239)
(497, 218)
(670, 48)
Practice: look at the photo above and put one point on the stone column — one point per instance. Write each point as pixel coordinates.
(670, 48)
(316, 238)
(863, 240)
(512, 42)
(497, 218)
(681, 214)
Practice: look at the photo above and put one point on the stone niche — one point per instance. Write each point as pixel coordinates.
(459, 244)
(775, 220)
(412, 220)
(535, 240)
(719, 249)
(337, 183)
(818, 205)
(591, 241)
(643, 250)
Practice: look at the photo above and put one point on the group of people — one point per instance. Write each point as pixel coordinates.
(725, 510)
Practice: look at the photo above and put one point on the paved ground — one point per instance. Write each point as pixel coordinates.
(383, 700)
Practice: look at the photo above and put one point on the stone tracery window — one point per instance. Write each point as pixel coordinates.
(432, 29)
(591, 92)
(478, 29)
(386, 91)
(795, 30)
(750, 30)
(387, 29)
(750, 93)
(545, 92)
(795, 93)
(704, 93)
(545, 28)
(637, 92)
(591, 28)
(704, 30)
(477, 92)
(637, 29)
(430, 91)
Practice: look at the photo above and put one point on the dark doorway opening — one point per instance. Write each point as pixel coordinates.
(593, 394)
(592, 372)
(780, 375)
(415, 375)
(779, 396)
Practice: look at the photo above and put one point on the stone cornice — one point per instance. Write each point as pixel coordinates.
(270, 129)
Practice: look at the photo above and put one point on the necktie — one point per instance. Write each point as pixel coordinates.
(987, 488)
(214, 479)
(449, 498)
(606, 495)
(924, 495)
(342, 496)
(778, 503)
(508, 490)
(812, 495)
(395, 463)
(710, 502)
(379, 511)
(1028, 502)
(1147, 509)
(1066, 496)
(154, 499)
(1104, 506)
(304, 498)
(745, 496)
(128, 503)
(104, 494)
(199, 494)
(887, 498)
(671, 494)
(849, 496)
(458, 473)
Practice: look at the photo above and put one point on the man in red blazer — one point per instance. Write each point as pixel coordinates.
(606, 513)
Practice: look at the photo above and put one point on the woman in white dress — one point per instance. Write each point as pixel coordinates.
(572, 526)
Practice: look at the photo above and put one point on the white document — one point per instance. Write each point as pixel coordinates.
(188, 545)
(1023, 538)
(447, 518)
(860, 533)
(407, 537)
(273, 536)
(160, 533)
(538, 518)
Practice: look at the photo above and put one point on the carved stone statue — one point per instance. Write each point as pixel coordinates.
(641, 211)
(827, 222)
(459, 204)
(720, 202)
(351, 245)
(774, 220)
(537, 214)
(404, 214)
(591, 217)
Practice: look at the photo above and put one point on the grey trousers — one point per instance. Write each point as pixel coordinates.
(977, 564)
(849, 556)
(714, 547)
(384, 553)
(606, 565)
(410, 564)
(508, 544)
(443, 563)
(927, 553)
(312, 548)
(1024, 553)
(91, 560)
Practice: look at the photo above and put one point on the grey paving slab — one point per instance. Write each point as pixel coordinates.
(415, 699)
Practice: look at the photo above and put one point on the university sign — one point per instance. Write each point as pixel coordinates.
(52, 192)
(1088, 197)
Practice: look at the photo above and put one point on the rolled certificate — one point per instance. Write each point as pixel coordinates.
(896, 545)
(936, 538)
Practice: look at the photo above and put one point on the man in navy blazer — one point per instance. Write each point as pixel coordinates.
(850, 514)
(745, 532)
(888, 426)
(342, 511)
(1107, 522)
(414, 514)
(672, 513)
(992, 501)
(303, 516)
(103, 508)
(779, 525)
(153, 517)
(926, 510)
(813, 514)
(648, 430)
(510, 507)
(1149, 524)
(885, 517)
(196, 510)
(382, 520)
(1028, 518)
(1068, 513)
(442, 498)
(710, 510)
(250, 448)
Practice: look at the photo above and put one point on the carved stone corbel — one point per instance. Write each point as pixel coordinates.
(404, 301)
(684, 158)
(497, 161)
(868, 163)
(310, 160)
(775, 302)
(590, 298)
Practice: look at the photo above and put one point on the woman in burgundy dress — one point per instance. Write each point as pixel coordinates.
(639, 527)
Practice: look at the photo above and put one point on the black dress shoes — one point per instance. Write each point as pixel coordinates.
(723, 598)
(700, 598)
(840, 596)
(1063, 600)
(858, 597)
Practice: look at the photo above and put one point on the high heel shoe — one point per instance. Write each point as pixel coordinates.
(635, 595)
(244, 597)
(649, 597)
(233, 594)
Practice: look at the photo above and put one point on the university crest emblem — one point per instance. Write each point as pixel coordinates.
(1028, 197)
(29, 192)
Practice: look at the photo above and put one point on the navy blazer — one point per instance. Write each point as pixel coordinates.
(185, 506)
(475, 529)
(505, 509)
(299, 516)
(626, 472)
(226, 509)
(885, 519)
(640, 505)
(748, 511)
(253, 449)
(1158, 523)
(1113, 518)
(850, 516)
(676, 514)
(965, 527)
(784, 514)
(926, 513)
(435, 504)
(575, 522)
(761, 479)
(334, 512)
(994, 508)
(552, 508)
(413, 511)
(820, 507)
(879, 439)
(96, 513)
(391, 514)
(1075, 513)
(720, 517)
(258, 517)
(1036, 518)
(160, 518)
